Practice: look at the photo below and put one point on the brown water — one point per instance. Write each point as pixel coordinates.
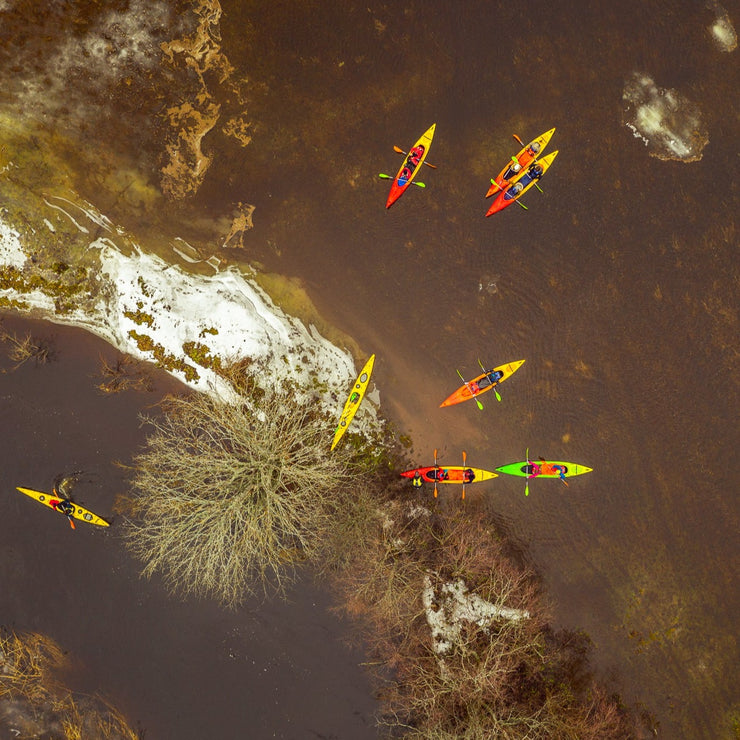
(618, 285)
(174, 669)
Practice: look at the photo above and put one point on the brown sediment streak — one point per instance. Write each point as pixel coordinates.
(192, 119)
(241, 223)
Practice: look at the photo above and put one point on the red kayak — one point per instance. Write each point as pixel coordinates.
(411, 166)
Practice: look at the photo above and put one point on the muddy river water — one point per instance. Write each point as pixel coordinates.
(618, 285)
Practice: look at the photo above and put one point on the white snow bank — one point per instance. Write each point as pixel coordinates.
(668, 123)
(226, 315)
(455, 606)
(11, 251)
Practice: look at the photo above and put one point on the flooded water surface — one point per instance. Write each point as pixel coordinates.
(618, 285)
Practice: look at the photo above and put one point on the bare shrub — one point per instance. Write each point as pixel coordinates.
(228, 498)
(23, 349)
(459, 637)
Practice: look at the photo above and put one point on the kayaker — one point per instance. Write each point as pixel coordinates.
(535, 171)
(440, 474)
(417, 480)
(468, 475)
(514, 191)
(514, 169)
(491, 378)
(534, 469)
(560, 470)
(534, 148)
(63, 506)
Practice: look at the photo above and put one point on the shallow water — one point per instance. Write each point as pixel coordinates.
(618, 285)
(174, 669)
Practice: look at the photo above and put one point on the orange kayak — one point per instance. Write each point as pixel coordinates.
(482, 384)
(524, 158)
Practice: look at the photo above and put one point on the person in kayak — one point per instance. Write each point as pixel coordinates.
(63, 506)
(514, 169)
(534, 148)
(439, 474)
(514, 191)
(468, 475)
(412, 161)
(491, 378)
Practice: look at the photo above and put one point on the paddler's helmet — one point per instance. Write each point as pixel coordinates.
(535, 146)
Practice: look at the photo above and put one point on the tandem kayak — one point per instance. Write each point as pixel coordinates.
(482, 383)
(546, 467)
(450, 474)
(52, 501)
(520, 186)
(524, 159)
(415, 158)
(354, 400)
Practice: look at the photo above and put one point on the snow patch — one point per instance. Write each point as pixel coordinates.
(722, 30)
(451, 605)
(668, 123)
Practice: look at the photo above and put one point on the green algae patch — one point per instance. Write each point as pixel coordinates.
(163, 358)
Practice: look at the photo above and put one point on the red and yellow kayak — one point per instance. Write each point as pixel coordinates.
(414, 160)
(519, 186)
(450, 474)
(53, 501)
(524, 158)
(482, 384)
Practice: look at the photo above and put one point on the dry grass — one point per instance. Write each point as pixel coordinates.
(23, 349)
(124, 374)
(229, 498)
(36, 704)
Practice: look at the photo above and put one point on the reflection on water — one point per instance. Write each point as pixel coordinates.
(618, 285)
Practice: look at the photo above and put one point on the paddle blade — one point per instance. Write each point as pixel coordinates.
(398, 149)
(418, 184)
(498, 395)
(518, 139)
(71, 522)
(385, 177)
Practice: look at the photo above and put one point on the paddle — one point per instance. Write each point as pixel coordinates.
(472, 393)
(401, 151)
(69, 516)
(465, 455)
(413, 182)
(498, 397)
(436, 472)
(526, 485)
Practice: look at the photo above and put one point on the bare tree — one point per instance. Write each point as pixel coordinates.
(230, 497)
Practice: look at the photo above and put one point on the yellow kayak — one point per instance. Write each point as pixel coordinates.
(354, 400)
(51, 500)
